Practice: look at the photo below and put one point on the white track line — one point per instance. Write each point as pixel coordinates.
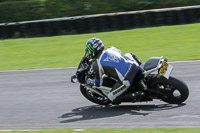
(38, 130)
(185, 61)
(39, 69)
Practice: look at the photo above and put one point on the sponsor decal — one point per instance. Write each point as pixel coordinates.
(119, 90)
(111, 58)
(95, 45)
(99, 42)
(90, 48)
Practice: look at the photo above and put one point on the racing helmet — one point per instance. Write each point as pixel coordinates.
(93, 47)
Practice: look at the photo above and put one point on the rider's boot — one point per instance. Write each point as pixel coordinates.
(140, 77)
(142, 84)
(117, 90)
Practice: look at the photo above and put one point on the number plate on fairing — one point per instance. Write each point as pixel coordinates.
(166, 69)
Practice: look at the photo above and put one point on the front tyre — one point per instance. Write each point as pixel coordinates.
(93, 97)
(176, 90)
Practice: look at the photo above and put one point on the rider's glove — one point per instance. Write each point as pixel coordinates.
(90, 82)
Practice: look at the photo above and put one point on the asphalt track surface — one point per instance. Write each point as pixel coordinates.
(45, 99)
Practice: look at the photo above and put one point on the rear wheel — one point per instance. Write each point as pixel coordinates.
(93, 97)
(175, 89)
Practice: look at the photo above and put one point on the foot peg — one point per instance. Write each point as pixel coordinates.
(138, 95)
(134, 96)
(131, 97)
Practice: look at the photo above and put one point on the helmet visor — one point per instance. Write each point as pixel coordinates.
(87, 54)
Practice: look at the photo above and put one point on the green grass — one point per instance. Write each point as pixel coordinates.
(145, 130)
(180, 42)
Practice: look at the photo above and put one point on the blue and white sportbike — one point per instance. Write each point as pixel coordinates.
(157, 77)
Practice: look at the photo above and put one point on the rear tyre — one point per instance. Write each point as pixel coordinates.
(176, 90)
(93, 97)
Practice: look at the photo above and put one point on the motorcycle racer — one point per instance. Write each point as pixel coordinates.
(111, 63)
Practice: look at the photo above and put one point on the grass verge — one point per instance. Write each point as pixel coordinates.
(180, 42)
(143, 130)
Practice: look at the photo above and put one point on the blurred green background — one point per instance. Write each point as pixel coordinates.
(24, 10)
(175, 42)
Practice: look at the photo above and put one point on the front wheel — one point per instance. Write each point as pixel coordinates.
(93, 97)
(175, 89)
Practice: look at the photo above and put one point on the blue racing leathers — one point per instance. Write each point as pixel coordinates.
(111, 63)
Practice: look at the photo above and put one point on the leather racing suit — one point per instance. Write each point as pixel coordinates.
(111, 63)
